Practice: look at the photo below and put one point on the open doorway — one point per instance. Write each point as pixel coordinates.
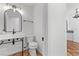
(72, 27)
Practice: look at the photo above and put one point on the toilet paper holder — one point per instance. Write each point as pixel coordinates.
(42, 38)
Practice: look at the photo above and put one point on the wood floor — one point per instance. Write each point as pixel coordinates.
(72, 48)
(25, 53)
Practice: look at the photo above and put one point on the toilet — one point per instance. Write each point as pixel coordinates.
(32, 45)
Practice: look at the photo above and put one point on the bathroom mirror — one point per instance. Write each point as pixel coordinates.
(12, 21)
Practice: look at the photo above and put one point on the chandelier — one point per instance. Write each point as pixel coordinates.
(76, 16)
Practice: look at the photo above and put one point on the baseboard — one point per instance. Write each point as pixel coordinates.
(26, 53)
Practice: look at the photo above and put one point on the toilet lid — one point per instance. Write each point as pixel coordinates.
(33, 43)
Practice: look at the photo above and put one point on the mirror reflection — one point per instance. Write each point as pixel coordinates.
(12, 21)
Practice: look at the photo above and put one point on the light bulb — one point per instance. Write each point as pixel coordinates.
(14, 10)
(20, 11)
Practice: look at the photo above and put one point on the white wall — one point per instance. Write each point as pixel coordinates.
(73, 24)
(40, 26)
(27, 14)
(56, 29)
(45, 28)
(38, 21)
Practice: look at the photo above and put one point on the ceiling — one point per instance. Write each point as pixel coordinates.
(23, 4)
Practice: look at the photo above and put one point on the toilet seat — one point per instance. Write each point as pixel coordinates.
(32, 45)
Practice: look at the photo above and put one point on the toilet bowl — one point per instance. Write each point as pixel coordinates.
(32, 46)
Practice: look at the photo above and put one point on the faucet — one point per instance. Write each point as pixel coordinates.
(14, 31)
(13, 39)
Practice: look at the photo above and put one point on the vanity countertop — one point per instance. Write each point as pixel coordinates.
(10, 36)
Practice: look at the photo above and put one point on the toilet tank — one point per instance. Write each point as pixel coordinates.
(30, 38)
